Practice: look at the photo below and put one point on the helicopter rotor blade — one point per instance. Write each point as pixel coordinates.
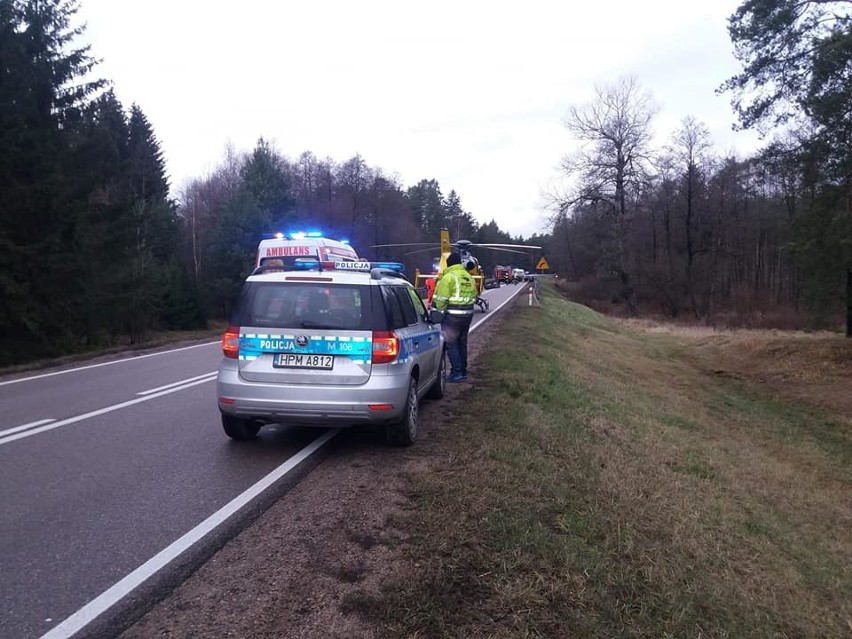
(497, 248)
(525, 246)
(436, 249)
(405, 244)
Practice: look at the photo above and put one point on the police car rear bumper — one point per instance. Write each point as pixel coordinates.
(381, 399)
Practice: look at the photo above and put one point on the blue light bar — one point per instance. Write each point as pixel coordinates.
(362, 266)
(313, 234)
(297, 236)
(306, 264)
(393, 266)
(365, 266)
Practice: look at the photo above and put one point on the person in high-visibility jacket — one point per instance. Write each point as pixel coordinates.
(455, 296)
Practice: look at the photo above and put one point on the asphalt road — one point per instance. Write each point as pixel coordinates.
(104, 466)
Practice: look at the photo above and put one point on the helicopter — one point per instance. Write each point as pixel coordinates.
(463, 247)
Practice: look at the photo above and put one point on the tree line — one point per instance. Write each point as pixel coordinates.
(94, 249)
(262, 191)
(687, 231)
(88, 235)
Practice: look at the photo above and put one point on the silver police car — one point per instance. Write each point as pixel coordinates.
(329, 344)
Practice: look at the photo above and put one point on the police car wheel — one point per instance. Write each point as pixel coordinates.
(403, 432)
(440, 386)
(240, 429)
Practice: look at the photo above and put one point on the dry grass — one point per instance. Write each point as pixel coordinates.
(612, 479)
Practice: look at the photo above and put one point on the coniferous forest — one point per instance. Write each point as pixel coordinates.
(98, 249)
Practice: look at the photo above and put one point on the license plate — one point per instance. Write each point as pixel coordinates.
(296, 360)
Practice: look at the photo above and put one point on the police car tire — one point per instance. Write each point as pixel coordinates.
(240, 429)
(439, 387)
(403, 432)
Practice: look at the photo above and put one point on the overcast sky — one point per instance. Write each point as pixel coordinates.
(472, 94)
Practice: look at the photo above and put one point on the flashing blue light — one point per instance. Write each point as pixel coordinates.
(344, 241)
(313, 264)
(365, 266)
(393, 266)
(297, 236)
(279, 236)
(306, 264)
(313, 234)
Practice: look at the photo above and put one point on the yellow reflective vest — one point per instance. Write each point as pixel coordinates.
(455, 292)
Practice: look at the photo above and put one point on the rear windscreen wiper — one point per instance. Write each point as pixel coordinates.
(310, 324)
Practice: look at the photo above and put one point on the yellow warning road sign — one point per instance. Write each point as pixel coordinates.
(542, 265)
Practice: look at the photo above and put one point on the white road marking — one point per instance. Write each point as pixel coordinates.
(183, 381)
(125, 586)
(18, 429)
(100, 411)
(487, 316)
(116, 361)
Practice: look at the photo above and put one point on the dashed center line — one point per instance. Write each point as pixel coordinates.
(101, 411)
(205, 377)
(18, 429)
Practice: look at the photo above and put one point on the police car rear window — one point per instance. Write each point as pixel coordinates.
(409, 313)
(306, 305)
(397, 319)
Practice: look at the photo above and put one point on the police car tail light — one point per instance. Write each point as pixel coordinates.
(385, 347)
(231, 342)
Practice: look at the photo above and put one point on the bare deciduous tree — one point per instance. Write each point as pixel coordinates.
(691, 143)
(614, 132)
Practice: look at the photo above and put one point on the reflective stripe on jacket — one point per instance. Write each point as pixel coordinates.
(455, 292)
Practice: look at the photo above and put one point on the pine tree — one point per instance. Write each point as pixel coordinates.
(102, 237)
(265, 178)
(461, 223)
(153, 222)
(42, 96)
(147, 169)
(260, 202)
(428, 202)
(797, 66)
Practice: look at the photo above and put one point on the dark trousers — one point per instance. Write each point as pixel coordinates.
(455, 329)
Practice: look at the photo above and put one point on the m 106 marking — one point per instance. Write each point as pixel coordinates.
(286, 345)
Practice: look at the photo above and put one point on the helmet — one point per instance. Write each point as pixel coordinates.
(471, 264)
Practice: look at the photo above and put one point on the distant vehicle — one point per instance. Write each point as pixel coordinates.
(503, 274)
(518, 275)
(490, 283)
(284, 247)
(329, 344)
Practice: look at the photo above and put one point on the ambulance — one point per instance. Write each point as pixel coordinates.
(285, 247)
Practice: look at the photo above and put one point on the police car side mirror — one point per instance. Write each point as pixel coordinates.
(435, 316)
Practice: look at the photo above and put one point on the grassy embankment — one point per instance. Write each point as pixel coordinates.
(616, 479)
